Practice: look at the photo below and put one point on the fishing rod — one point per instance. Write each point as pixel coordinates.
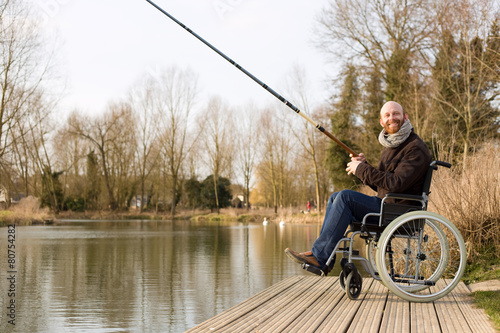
(262, 84)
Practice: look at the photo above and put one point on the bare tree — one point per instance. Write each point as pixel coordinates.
(247, 143)
(70, 152)
(305, 134)
(110, 134)
(142, 99)
(122, 154)
(32, 135)
(22, 71)
(41, 129)
(217, 137)
(268, 165)
(174, 94)
(276, 151)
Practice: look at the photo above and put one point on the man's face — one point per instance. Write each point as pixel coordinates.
(392, 118)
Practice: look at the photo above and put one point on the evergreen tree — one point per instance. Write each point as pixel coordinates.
(92, 184)
(373, 101)
(192, 187)
(466, 76)
(397, 75)
(52, 194)
(344, 128)
(208, 197)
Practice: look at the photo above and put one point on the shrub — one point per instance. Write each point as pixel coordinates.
(26, 211)
(469, 196)
(75, 204)
(29, 206)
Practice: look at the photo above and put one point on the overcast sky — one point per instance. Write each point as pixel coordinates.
(106, 45)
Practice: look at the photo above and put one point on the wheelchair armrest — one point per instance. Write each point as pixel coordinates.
(403, 196)
(441, 163)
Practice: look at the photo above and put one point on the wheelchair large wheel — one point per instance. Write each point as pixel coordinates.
(415, 251)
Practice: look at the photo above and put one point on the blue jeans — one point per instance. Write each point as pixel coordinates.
(343, 208)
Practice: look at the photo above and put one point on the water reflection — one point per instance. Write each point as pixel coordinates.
(139, 276)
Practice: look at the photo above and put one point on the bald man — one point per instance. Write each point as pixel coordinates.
(402, 168)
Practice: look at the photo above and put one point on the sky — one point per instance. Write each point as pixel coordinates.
(104, 47)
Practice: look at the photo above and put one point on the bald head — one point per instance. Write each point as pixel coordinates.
(391, 106)
(392, 117)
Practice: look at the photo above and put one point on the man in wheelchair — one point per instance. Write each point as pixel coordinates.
(403, 165)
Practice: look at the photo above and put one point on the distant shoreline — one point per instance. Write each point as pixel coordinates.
(9, 217)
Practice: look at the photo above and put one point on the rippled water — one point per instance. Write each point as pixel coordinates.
(140, 276)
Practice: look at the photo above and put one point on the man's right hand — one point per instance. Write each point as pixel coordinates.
(360, 158)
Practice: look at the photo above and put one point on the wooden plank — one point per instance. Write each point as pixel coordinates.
(293, 300)
(475, 317)
(312, 318)
(423, 318)
(341, 319)
(449, 314)
(369, 316)
(296, 309)
(396, 317)
(279, 310)
(315, 304)
(249, 305)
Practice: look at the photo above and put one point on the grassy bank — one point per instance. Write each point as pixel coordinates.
(27, 212)
(227, 214)
(485, 268)
(292, 216)
(490, 302)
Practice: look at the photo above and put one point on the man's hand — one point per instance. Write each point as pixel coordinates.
(355, 161)
(360, 158)
(351, 167)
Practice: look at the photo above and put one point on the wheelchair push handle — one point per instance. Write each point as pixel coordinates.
(440, 163)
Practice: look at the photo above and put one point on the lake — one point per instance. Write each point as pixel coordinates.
(139, 276)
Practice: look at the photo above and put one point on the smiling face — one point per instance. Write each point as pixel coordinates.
(392, 117)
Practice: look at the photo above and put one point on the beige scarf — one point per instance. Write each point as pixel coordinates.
(394, 140)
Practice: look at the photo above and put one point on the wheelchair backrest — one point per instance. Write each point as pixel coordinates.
(390, 211)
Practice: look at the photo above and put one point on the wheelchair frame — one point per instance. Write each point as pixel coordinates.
(420, 256)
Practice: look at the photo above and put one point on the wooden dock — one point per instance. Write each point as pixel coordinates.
(315, 304)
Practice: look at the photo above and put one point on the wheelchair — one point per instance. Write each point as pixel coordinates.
(418, 255)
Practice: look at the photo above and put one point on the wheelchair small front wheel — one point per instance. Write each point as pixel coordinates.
(415, 251)
(353, 285)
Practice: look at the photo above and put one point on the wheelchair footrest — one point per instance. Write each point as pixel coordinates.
(316, 270)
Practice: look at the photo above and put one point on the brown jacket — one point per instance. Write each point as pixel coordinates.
(401, 169)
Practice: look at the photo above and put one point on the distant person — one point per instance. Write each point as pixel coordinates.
(402, 169)
(308, 206)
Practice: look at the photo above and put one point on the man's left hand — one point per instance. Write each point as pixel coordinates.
(352, 166)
